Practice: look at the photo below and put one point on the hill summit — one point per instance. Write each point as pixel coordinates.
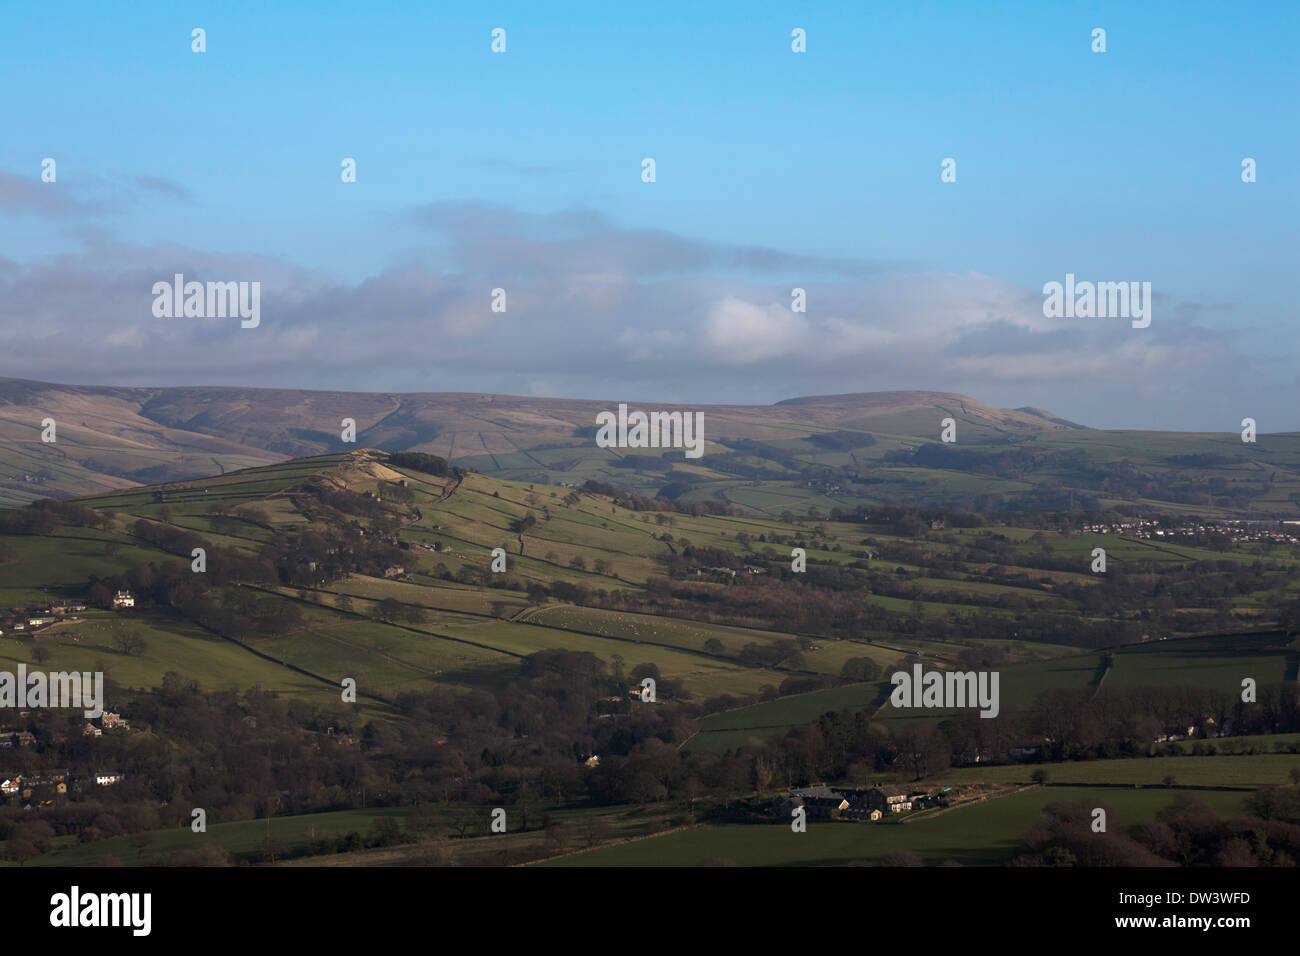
(111, 437)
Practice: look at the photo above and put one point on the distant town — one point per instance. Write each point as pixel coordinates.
(1236, 530)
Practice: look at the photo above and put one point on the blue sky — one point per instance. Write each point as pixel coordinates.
(478, 170)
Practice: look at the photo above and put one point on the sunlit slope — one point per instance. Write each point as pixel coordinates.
(437, 615)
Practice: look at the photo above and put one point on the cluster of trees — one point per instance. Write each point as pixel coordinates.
(735, 463)
(829, 604)
(241, 755)
(842, 440)
(1109, 609)
(312, 558)
(252, 754)
(753, 448)
(166, 537)
(394, 491)
(1105, 722)
(210, 600)
(692, 556)
(232, 754)
(218, 599)
(1062, 724)
(779, 653)
(1186, 833)
(1016, 463)
(240, 613)
(429, 464)
(341, 501)
(395, 612)
(663, 501)
(1185, 483)
(43, 516)
(907, 520)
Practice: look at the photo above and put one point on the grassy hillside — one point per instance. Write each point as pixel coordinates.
(981, 834)
(357, 566)
(818, 452)
(472, 623)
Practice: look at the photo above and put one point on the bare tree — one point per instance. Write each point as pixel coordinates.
(129, 641)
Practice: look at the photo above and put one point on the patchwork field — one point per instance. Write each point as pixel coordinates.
(347, 566)
(982, 834)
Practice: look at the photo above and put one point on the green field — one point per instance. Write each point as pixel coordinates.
(443, 624)
(243, 839)
(981, 834)
(1257, 770)
(472, 634)
(171, 645)
(728, 730)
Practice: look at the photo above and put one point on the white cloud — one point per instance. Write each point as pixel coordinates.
(593, 309)
(737, 331)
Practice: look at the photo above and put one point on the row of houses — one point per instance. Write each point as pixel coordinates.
(58, 610)
(24, 785)
(1238, 531)
(108, 721)
(1208, 729)
(25, 738)
(34, 622)
(27, 618)
(850, 803)
(748, 569)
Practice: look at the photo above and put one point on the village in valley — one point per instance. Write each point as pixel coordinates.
(1233, 530)
(854, 804)
(17, 620)
(729, 672)
(40, 788)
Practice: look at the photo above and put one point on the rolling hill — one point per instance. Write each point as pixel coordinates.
(593, 572)
(376, 567)
(821, 451)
